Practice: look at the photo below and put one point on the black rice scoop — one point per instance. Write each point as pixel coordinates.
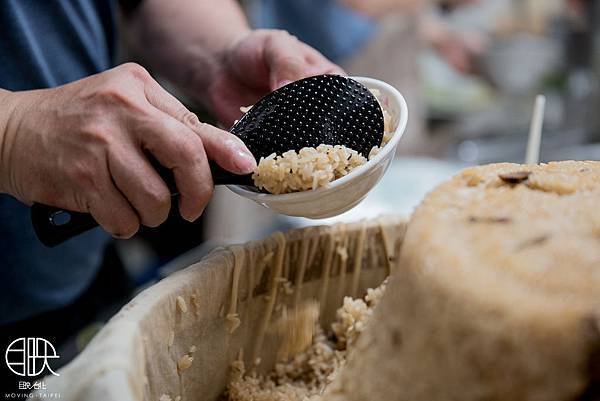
(324, 109)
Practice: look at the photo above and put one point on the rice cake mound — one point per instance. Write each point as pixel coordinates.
(497, 296)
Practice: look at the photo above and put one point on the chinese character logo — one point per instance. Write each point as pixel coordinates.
(28, 356)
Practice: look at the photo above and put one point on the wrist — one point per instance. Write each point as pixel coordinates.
(13, 107)
(7, 110)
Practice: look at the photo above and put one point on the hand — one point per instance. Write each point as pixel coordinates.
(258, 63)
(380, 8)
(84, 146)
(459, 49)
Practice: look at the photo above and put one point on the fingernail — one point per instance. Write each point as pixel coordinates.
(244, 161)
(191, 218)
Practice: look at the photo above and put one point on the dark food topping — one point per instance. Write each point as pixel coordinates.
(515, 177)
(489, 219)
(535, 241)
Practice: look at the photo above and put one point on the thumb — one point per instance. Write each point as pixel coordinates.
(286, 64)
(226, 149)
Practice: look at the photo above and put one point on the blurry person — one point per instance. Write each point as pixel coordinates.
(76, 130)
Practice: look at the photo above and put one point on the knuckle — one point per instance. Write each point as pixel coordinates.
(112, 93)
(169, 127)
(96, 134)
(204, 126)
(156, 209)
(269, 39)
(127, 227)
(83, 175)
(191, 119)
(285, 35)
(136, 70)
(288, 61)
(190, 152)
(205, 130)
(281, 32)
(159, 197)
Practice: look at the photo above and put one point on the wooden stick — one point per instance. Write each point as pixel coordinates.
(535, 131)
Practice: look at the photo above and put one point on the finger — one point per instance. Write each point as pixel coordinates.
(286, 63)
(179, 149)
(112, 211)
(141, 185)
(228, 95)
(319, 64)
(247, 62)
(226, 149)
(221, 146)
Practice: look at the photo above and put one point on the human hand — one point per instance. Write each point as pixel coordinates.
(379, 8)
(84, 147)
(258, 63)
(460, 49)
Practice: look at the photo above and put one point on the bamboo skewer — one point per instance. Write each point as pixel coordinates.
(535, 131)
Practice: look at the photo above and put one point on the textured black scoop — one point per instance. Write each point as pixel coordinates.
(325, 109)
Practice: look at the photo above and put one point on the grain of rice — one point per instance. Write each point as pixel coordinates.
(288, 288)
(171, 339)
(184, 363)
(181, 305)
(196, 305)
(233, 322)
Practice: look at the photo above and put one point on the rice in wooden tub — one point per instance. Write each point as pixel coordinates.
(178, 339)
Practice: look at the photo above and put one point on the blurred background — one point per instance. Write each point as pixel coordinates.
(470, 71)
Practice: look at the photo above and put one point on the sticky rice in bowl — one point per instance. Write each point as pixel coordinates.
(332, 179)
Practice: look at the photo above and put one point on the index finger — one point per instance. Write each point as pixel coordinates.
(320, 63)
(290, 59)
(179, 149)
(285, 62)
(221, 146)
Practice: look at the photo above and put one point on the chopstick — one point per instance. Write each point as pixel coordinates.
(535, 131)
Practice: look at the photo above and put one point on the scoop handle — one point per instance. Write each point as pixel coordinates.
(53, 225)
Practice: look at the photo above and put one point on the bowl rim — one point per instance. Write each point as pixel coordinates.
(371, 83)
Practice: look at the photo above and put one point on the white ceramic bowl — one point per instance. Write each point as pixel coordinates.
(346, 192)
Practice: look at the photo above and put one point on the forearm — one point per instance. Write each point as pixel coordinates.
(183, 40)
(7, 107)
